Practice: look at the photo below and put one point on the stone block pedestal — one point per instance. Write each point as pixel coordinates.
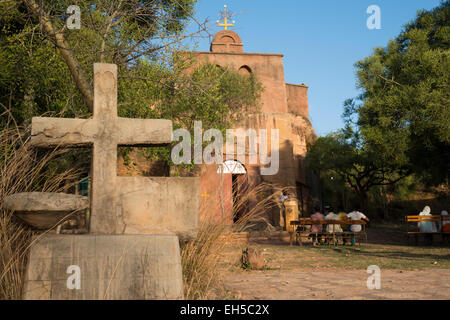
(128, 267)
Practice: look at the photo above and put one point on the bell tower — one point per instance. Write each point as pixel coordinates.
(227, 41)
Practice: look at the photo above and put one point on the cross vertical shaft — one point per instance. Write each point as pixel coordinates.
(104, 132)
(104, 157)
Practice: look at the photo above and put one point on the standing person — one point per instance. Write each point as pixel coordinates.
(315, 228)
(356, 216)
(278, 217)
(283, 197)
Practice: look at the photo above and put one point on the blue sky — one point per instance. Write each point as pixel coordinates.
(321, 40)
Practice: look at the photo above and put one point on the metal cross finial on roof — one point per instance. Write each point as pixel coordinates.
(225, 15)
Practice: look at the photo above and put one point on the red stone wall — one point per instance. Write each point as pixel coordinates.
(268, 68)
(283, 107)
(210, 189)
(297, 99)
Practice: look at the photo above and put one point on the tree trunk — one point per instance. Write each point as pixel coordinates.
(72, 62)
(385, 203)
(363, 201)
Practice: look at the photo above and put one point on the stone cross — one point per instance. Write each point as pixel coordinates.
(104, 132)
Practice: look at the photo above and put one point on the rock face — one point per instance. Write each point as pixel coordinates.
(158, 205)
(104, 267)
(44, 210)
(252, 258)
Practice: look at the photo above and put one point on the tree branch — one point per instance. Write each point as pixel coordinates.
(72, 62)
(108, 28)
(389, 80)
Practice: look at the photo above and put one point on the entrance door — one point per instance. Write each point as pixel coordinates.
(239, 187)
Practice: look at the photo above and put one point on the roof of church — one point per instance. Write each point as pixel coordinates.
(229, 42)
(240, 53)
(297, 85)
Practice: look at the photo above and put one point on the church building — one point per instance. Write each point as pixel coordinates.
(283, 106)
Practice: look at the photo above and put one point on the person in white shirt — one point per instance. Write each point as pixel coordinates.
(331, 228)
(356, 216)
(329, 215)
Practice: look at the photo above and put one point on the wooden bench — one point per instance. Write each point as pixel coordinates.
(437, 219)
(328, 236)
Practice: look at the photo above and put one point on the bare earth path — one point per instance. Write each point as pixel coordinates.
(302, 273)
(342, 284)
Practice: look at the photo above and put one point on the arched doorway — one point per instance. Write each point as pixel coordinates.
(239, 185)
(245, 71)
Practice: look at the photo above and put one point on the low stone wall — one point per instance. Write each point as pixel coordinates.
(128, 267)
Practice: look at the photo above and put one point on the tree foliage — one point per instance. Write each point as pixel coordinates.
(48, 67)
(400, 124)
(403, 112)
(345, 156)
(40, 48)
(141, 37)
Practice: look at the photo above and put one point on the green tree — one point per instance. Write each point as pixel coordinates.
(120, 32)
(216, 96)
(403, 112)
(141, 37)
(49, 69)
(345, 156)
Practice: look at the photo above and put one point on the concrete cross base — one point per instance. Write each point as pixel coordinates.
(98, 267)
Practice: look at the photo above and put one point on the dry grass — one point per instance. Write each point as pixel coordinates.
(21, 170)
(201, 257)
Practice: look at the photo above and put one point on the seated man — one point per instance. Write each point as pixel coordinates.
(315, 228)
(445, 226)
(343, 216)
(356, 216)
(332, 228)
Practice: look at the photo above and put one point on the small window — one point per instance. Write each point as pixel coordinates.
(232, 166)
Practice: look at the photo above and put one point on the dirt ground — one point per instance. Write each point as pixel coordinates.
(328, 272)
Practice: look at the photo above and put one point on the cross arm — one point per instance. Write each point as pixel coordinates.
(144, 132)
(52, 132)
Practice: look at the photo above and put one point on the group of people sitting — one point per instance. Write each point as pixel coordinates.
(328, 214)
(431, 226)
